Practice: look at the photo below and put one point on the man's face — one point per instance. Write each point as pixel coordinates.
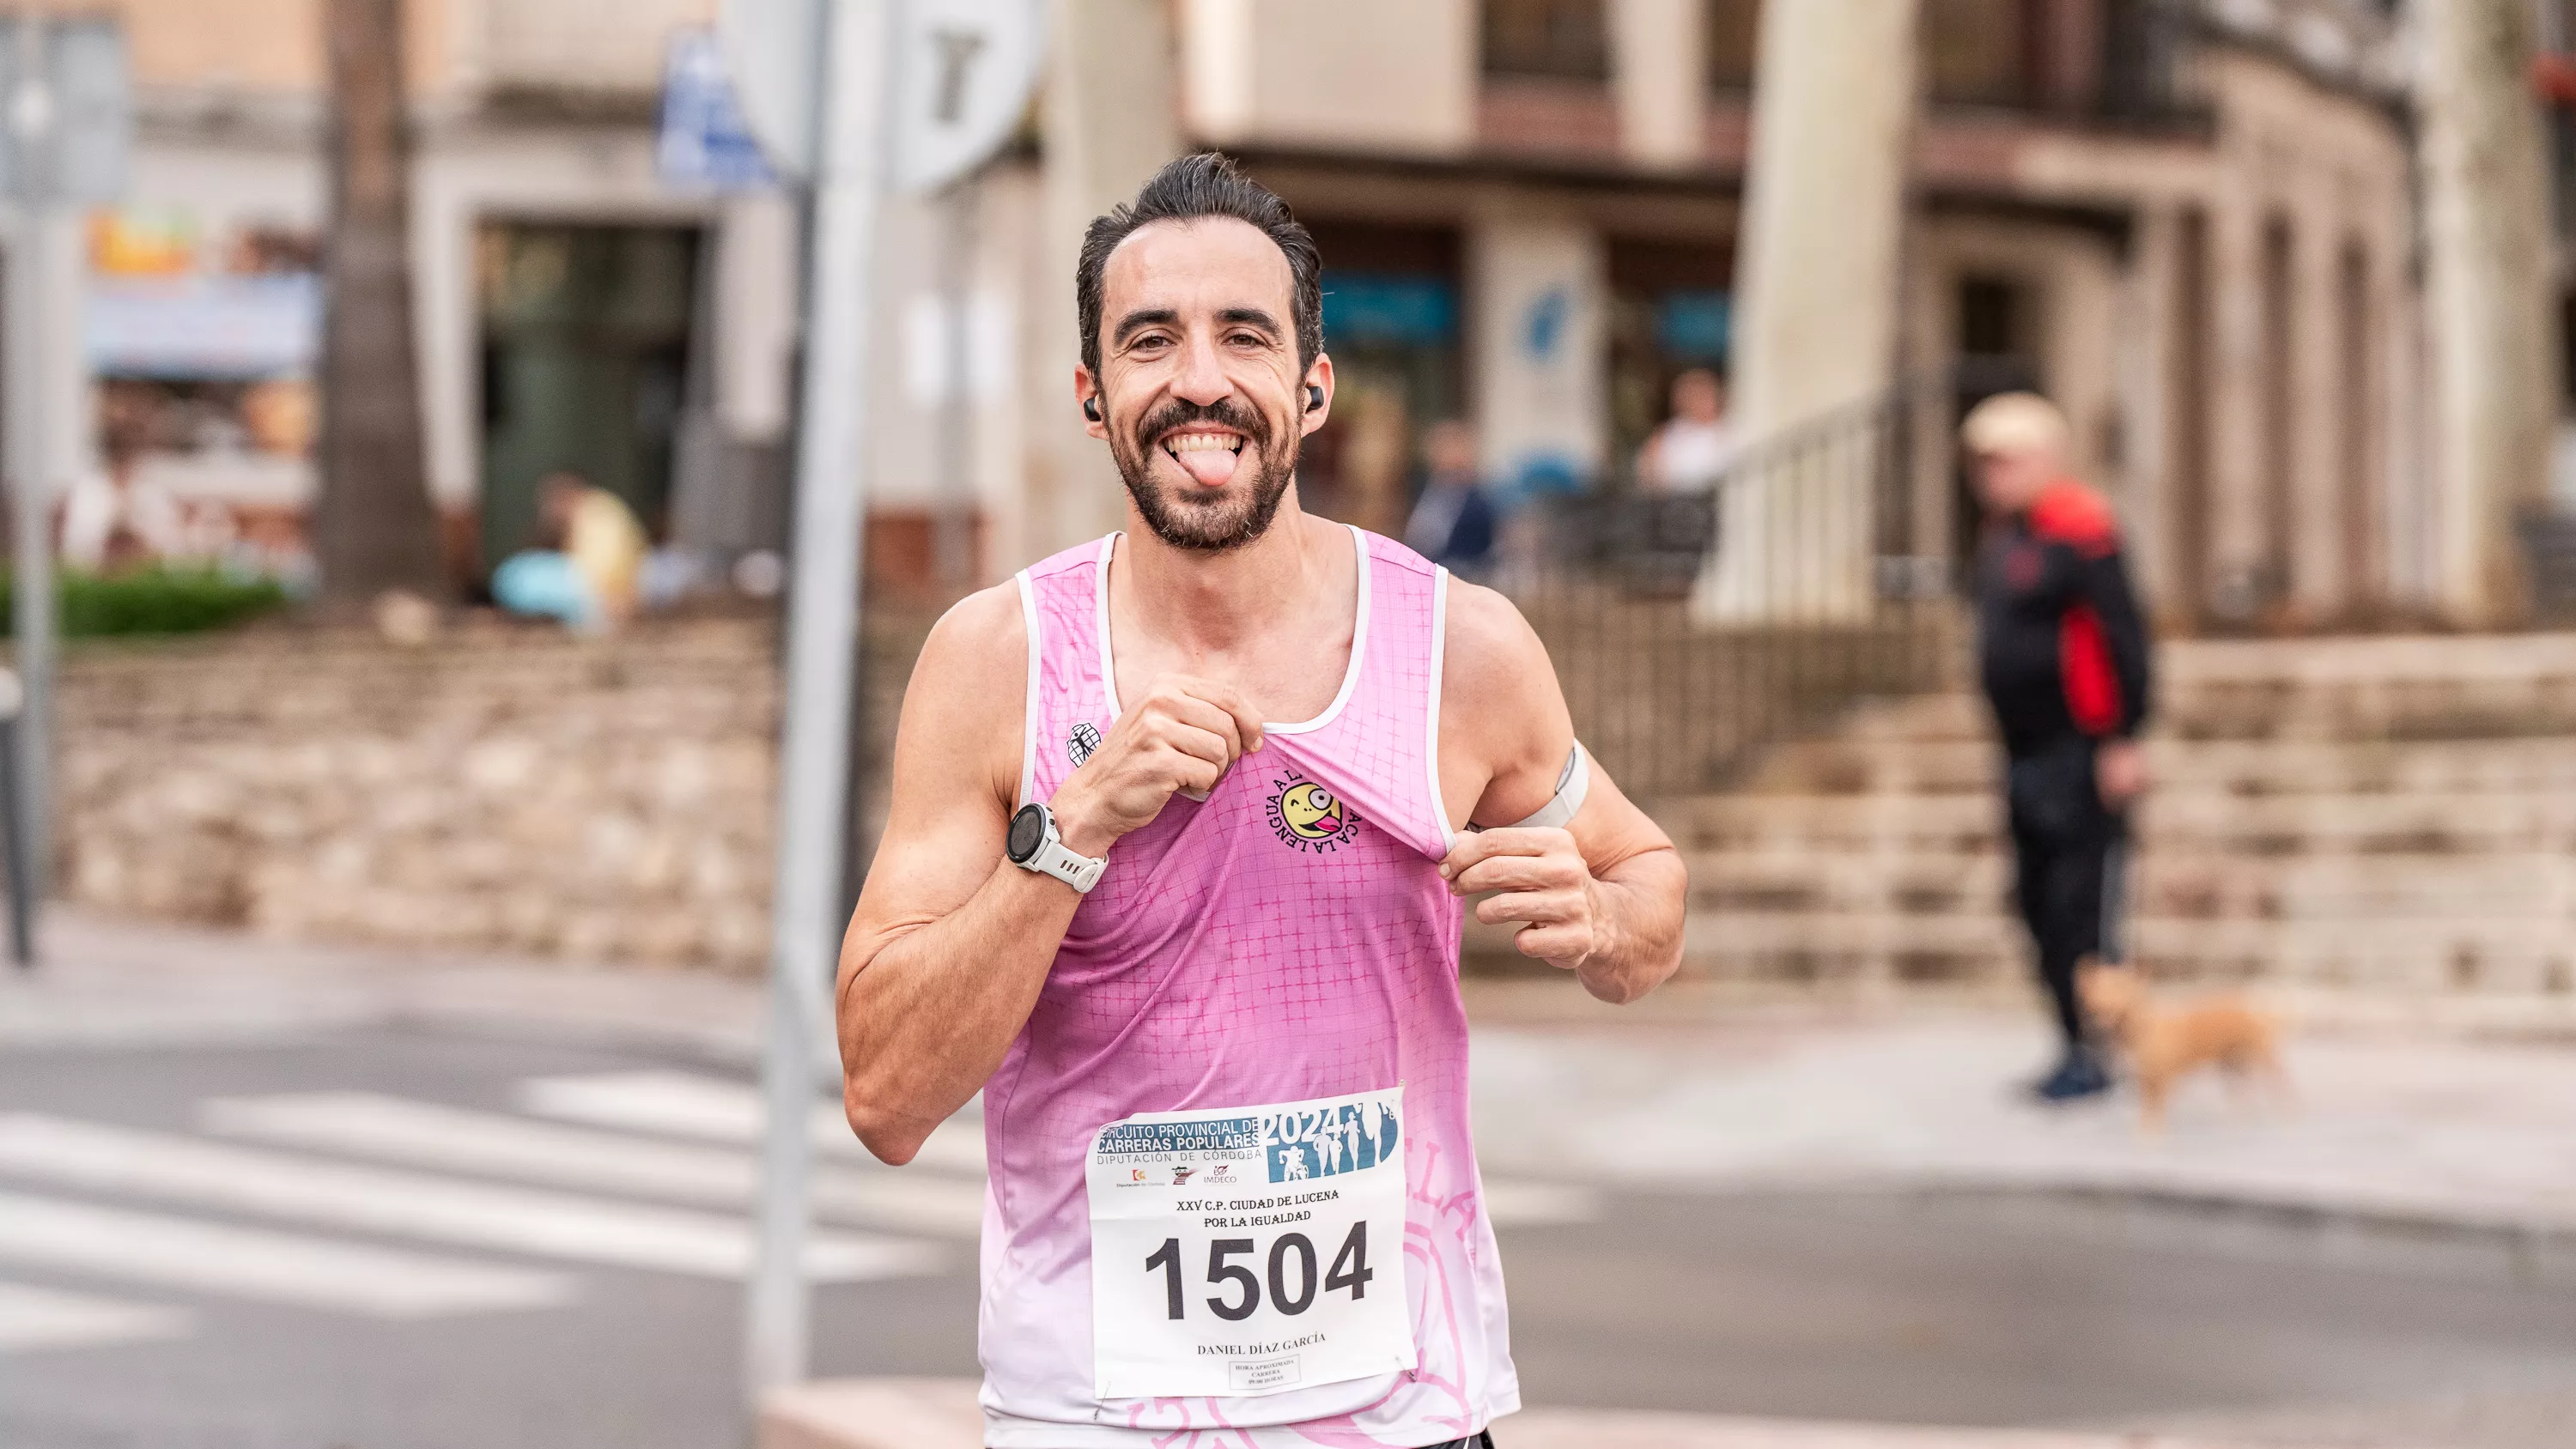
(1201, 397)
(1698, 396)
(2009, 478)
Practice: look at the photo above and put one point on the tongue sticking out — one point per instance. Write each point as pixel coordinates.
(1211, 467)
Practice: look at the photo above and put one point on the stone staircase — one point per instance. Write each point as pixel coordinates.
(2394, 814)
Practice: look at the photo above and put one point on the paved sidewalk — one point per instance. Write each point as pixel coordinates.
(107, 981)
(2446, 1133)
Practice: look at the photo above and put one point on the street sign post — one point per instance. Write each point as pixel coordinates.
(68, 115)
(827, 88)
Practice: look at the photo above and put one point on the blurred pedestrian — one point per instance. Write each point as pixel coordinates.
(1696, 445)
(2063, 653)
(588, 579)
(1453, 521)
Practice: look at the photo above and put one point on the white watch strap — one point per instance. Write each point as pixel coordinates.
(1057, 859)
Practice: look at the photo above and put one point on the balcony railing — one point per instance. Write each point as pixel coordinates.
(1684, 651)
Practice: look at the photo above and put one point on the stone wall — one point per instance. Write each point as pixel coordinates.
(503, 788)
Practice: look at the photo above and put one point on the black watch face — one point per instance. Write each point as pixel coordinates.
(1028, 830)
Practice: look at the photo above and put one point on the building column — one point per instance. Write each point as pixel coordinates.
(1110, 124)
(2493, 312)
(1659, 78)
(2144, 367)
(1816, 298)
(2231, 525)
(1538, 292)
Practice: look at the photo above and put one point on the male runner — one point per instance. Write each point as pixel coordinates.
(1203, 963)
(2063, 655)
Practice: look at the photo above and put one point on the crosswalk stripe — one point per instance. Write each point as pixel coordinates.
(216, 1258)
(684, 1104)
(44, 1318)
(427, 1135)
(542, 1224)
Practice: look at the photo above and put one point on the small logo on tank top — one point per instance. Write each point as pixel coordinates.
(1305, 816)
(1080, 741)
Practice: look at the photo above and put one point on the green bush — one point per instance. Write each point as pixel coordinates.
(162, 599)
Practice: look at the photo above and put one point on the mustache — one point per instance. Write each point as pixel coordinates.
(1179, 413)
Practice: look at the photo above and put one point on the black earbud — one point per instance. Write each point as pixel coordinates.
(1091, 407)
(1314, 397)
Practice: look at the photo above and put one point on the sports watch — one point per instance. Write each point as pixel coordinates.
(1034, 845)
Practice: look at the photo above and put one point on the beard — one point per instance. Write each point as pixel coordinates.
(1228, 519)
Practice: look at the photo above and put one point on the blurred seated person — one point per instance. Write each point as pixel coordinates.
(1453, 521)
(588, 580)
(1695, 447)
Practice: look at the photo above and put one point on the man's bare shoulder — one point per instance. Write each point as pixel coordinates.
(982, 637)
(962, 710)
(1491, 657)
(1502, 717)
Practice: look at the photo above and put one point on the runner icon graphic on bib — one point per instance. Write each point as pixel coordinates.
(1249, 1250)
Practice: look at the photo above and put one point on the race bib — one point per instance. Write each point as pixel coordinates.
(1239, 1251)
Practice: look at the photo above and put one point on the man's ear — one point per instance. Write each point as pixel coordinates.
(1315, 396)
(1087, 396)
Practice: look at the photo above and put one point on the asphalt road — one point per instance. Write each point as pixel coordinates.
(469, 1326)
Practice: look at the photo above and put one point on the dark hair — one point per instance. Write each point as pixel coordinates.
(1206, 184)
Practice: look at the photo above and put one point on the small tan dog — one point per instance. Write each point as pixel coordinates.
(2161, 1046)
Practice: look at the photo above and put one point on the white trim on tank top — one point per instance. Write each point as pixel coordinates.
(1431, 728)
(1029, 707)
(1350, 672)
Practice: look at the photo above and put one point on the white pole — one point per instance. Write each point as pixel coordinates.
(31, 117)
(852, 110)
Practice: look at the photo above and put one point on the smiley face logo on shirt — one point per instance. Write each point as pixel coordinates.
(1306, 816)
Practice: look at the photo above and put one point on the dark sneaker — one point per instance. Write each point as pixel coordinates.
(2079, 1076)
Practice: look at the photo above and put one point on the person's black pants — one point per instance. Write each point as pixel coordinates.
(2069, 857)
(1481, 1441)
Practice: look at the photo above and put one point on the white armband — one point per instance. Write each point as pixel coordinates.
(1559, 811)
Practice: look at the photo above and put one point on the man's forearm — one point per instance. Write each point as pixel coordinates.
(926, 1019)
(1638, 905)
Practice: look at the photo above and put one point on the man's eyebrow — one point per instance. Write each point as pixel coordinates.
(1137, 321)
(1250, 317)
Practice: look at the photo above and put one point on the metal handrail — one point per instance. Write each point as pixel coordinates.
(1855, 552)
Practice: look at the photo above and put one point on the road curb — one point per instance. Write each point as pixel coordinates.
(943, 1414)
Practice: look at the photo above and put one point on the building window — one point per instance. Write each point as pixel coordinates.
(1978, 52)
(2279, 401)
(1554, 39)
(2358, 410)
(1670, 311)
(1734, 30)
(1391, 322)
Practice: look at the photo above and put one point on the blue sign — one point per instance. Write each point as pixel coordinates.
(204, 327)
(1693, 326)
(1388, 309)
(703, 142)
(1543, 327)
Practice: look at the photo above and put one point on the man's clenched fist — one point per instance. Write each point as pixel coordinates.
(1182, 736)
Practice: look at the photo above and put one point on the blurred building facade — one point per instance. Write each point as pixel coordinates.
(573, 311)
(2191, 226)
(2190, 223)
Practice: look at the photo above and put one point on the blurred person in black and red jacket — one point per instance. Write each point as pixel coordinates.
(2063, 655)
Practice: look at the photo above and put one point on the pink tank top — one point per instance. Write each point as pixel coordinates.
(1288, 940)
